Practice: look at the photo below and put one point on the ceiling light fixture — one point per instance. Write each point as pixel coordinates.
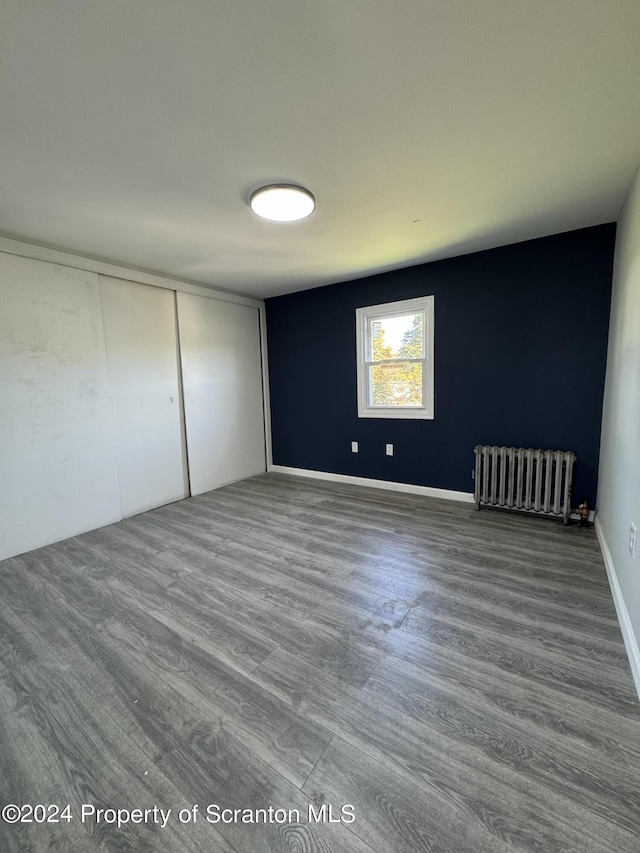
(282, 203)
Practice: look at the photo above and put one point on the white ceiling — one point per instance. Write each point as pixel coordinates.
(135, 130)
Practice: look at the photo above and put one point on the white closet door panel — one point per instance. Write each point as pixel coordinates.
(222, 381)
(142, 355)
(58, 474)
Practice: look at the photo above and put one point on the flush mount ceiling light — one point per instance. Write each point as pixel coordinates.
(282, 203)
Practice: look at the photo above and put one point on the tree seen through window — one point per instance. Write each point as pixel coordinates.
(395, 379)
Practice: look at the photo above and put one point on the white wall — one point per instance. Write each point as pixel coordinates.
(58, 473)
(619, 478)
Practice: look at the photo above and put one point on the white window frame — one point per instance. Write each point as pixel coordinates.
(364, 317)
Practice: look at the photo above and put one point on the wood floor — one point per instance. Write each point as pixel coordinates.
(457, 678)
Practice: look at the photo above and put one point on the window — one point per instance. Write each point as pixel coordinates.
(394, 345)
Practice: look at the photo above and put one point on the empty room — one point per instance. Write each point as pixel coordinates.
(320, 426)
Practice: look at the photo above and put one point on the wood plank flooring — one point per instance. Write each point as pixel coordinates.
(457, 678)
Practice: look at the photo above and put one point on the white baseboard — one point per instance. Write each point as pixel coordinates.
(408, 488)
(630, 640)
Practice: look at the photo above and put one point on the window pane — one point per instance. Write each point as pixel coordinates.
(397, 337)
(395, 384)
(394, 359)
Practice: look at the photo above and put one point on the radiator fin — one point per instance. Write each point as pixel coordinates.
(524, 478)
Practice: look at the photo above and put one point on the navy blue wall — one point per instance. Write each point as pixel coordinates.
(520, 352)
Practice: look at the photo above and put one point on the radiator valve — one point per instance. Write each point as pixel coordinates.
(583, 512)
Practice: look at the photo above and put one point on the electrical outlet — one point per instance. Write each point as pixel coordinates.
(389, 449)
(633, 539)
(354, 446)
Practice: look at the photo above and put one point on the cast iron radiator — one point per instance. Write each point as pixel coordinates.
(525, 479)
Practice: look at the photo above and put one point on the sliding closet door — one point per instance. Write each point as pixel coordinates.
(58, 474)
(142, 357)
(222, 380)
